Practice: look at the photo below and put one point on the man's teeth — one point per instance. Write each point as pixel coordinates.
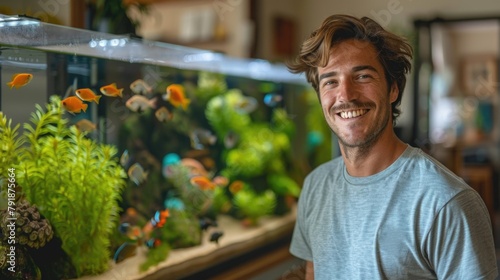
(353, 114)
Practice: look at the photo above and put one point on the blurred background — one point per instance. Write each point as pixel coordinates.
(450, 106)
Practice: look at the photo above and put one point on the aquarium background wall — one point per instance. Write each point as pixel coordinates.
(232, 137)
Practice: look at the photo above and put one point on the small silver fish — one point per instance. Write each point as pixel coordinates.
(139, 86)
(163, 114)
(139, 103)
(200, 138)
(137, 174)
(231, 139)
(125, 158)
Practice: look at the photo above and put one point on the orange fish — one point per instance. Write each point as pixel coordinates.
(175, 95)
(20, 80)
(86, 94)
(111, 90)
(236, 186)
(74, 105)
(202, 182)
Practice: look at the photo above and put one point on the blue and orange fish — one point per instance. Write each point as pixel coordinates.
(160, 218)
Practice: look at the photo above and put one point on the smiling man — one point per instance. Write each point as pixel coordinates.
(384, 209)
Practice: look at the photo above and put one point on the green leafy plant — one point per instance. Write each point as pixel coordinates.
(74, 181)
(253, 205)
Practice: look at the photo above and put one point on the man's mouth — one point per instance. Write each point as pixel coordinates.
(352, 114)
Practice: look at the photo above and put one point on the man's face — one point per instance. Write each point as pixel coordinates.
(354, 95)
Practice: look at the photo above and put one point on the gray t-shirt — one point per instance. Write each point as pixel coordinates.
(413, 220)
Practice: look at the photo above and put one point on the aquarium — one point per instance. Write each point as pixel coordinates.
(116, 148)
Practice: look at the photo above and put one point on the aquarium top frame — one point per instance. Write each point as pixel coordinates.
(21, 31)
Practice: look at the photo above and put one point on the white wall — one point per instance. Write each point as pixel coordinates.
(395, 12)
(53, 11)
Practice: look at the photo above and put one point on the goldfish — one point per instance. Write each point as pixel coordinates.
(137, 174)
(139, 103)
(202, 182)
(74, 104)
(140, 87)
(85, 125)
(86, 94)
(163, 114)
(20, 80)
(111, 90)
(272, 99)
(175, 95)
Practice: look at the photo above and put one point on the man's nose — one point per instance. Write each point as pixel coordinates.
(347, 90)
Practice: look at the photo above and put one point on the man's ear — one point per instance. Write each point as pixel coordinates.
(394, 93)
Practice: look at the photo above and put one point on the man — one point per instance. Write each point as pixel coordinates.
(384, 209)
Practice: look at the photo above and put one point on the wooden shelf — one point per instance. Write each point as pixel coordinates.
(236, 241)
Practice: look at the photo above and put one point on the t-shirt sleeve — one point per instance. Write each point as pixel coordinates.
(300, 246)
(460, 244)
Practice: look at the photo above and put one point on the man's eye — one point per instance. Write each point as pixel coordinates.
(327, 83)
(364, 77)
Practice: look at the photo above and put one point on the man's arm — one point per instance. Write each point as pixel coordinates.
(309, 270)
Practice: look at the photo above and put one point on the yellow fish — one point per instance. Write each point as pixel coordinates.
(74, 105)
(175, 95)
(163, 114)
(20, 80)
(111, 90)
(86, 94)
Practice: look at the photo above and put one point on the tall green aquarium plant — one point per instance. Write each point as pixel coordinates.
(75, 182)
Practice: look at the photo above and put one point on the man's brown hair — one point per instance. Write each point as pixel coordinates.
(394, 52)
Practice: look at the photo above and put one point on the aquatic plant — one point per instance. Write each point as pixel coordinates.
(182, 230)
(74, 181)
(283, 185)
(253, 206)
(223, 117)
(154, 256)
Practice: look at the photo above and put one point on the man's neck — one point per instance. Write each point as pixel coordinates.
(361, 162)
